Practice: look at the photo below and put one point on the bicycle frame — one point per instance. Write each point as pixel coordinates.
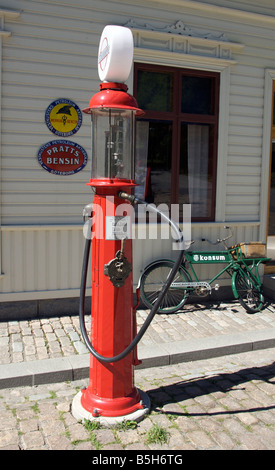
(241, 262)
(237, 262)
(234, 261)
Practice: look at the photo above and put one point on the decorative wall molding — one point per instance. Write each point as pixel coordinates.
(178, 28)
(182, 39)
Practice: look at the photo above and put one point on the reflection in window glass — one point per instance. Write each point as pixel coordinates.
(155, 178)
(195, 183)
(196, 95)
(155, 91)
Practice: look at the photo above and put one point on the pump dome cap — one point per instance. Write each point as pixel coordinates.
(113, 96)
(115, 54)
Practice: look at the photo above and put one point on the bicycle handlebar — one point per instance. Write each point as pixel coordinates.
(219, 240)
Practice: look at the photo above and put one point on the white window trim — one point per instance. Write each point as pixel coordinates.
(269, 78)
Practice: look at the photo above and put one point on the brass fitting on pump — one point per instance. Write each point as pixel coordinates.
(128, 197)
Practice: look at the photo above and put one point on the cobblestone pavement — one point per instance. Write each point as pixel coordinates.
(222, 403)
(29, 340)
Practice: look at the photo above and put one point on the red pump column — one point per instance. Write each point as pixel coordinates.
(111, 395)
(111, 391)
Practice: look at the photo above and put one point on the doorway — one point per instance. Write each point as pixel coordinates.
(271, 220)
(271, 213)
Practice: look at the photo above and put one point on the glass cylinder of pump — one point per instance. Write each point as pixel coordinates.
(112, 144)
(113, 113)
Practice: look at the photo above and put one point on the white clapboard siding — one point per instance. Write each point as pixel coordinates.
(51, 53)
(244, 161)
(46, 261)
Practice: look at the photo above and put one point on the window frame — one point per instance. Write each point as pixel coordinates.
(177, 117)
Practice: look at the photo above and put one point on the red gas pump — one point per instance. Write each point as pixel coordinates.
(111, 394)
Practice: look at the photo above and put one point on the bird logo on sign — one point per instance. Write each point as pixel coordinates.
(65, 110)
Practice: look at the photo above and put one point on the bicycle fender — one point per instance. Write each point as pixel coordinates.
(157, 261)
(233, 283)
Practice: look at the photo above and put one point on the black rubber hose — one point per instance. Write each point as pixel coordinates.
(154, 309)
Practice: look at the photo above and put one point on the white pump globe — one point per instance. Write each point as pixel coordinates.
(115, 54)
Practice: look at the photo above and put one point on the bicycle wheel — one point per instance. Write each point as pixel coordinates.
(250, 295)
(152, 282)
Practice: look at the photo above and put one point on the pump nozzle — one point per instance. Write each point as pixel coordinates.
(128, 197)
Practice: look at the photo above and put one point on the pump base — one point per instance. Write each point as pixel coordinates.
(79, 412)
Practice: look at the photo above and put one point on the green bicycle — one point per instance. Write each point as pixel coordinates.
(241, 262)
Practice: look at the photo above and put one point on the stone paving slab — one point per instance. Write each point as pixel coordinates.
(51, 349)
(222, 403)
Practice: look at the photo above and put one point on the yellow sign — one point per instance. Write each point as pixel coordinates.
(63, 117)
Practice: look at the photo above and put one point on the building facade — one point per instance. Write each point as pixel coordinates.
(206, 138)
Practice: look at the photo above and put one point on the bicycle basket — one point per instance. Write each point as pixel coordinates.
(249, 250)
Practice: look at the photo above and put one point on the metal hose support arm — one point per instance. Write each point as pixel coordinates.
(154, 309)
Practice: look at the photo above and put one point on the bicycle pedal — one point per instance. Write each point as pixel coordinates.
(216, 287)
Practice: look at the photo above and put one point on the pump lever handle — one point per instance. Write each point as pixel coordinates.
(121, 253)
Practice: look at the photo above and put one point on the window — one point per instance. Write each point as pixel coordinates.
(177, 137)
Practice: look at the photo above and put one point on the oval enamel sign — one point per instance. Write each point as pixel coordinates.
(62, 157)
(63, 117)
